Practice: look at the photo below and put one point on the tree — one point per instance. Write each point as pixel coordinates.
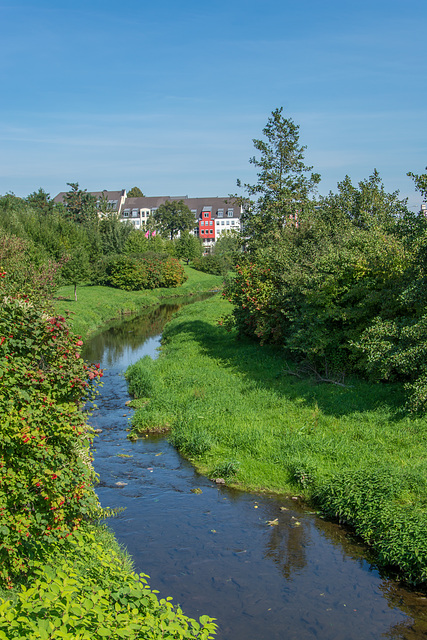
(420, 183)
(174, 217)
(188, 247)
(80, 205)
(283, 186)
(135, 192)
(114, 234)
(77, 268)
(229, 247)
(41, 201)
(366, 206)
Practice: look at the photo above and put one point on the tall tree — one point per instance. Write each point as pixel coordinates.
(80, 205)
(188, 247)
(284, 181)
(173, 217)
(135, 192)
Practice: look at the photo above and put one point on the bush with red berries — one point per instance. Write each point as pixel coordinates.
(46, 476)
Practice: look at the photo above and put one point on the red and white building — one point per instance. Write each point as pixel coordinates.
(212, 216)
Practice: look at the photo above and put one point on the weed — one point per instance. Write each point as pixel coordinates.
(225, 469)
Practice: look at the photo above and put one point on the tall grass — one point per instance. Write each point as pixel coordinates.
(232, 410)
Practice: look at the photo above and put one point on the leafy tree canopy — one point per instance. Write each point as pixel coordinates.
(41, 200)
(420, 183)
(174, 217)
(188, 247)
(135, 192)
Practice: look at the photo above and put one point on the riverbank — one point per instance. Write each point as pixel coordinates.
(235, 413)
(97, 305)
(74, 580)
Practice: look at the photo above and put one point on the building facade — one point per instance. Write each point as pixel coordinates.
(212, 216)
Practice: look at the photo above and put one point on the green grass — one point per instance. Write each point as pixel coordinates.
(97, 305)
(231, 407)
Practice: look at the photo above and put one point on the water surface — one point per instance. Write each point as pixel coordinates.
(218, 551)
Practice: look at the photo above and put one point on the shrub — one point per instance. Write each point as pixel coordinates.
(71, 601)
(144, 271)
(216, 265)
(46, 478)
(368, 500)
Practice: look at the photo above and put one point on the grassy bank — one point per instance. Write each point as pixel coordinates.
(96, 305)
(234, 412)
(63, 575)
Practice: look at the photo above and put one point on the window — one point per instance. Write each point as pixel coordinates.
(211, 222)
(206, 214)
(232, 222)
(227, 222)
(220, 213)
(230, 213)
(126, 213)
(222, 222)
(135, 213)
(202, 222)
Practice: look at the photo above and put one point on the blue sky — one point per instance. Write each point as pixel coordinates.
(169, 95)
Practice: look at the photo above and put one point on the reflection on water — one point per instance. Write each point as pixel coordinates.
(215, 552)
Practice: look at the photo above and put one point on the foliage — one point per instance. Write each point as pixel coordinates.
(88, 593)
(283, 188)
(80, 205)
(41, 201)
(217, 265)
(76, 269)
(145, 271)
(349, 449)
(188, 247)
(173, 217)
(26, 276)
(135, 192)
(97, 305)
(73, 583)
(366, 206)
(344, 291)
(46, 479)
(229, 247)
(368, 500)
(138, 242)
(420, 182)
(114, 234)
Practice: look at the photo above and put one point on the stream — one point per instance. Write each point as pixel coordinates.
(213, 550)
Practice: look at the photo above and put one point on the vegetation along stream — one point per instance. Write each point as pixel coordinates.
(265, 567)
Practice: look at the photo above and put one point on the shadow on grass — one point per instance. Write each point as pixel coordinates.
(266, 367)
